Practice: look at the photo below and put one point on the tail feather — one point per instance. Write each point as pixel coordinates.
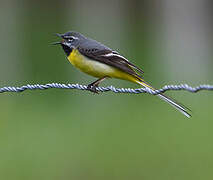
(167, 99)
(179, 107)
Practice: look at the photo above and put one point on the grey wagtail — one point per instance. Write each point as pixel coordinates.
(98, 60)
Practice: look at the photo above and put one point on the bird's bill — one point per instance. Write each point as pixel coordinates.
(59, 35)
(61, 42)
(55, 43)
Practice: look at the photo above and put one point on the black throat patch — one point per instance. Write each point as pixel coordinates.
(67, 49)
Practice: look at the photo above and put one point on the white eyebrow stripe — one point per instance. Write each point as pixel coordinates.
(74, 37)
(115, 55)
(70, 37)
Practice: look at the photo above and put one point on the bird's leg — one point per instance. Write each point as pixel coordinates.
(92, 87)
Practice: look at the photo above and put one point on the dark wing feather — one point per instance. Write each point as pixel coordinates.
(97, 51)
(129, 63)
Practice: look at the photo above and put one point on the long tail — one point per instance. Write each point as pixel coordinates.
(169, 100)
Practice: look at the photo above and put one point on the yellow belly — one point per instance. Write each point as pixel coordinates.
(95, 68)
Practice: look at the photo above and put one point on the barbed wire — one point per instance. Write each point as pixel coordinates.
(109, 88)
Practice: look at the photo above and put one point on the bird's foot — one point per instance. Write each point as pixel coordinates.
(92, 87)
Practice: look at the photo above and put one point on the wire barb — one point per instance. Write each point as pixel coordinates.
(109, 88)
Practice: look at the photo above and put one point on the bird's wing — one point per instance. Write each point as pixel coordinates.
(105, 55)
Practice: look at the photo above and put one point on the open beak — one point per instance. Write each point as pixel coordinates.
(55, 43)
(59, 35)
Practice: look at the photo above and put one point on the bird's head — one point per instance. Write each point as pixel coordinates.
(70, 41)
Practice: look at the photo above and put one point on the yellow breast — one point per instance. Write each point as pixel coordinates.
(95, 68)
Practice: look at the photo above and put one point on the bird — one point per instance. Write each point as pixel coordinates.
(100, 61)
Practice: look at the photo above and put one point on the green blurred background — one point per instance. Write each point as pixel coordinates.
(70, 134)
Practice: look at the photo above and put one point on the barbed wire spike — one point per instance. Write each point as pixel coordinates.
(109, 88)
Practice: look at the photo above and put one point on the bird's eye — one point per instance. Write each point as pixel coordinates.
(70, 39)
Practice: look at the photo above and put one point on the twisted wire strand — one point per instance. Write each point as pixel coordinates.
(109, 88)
